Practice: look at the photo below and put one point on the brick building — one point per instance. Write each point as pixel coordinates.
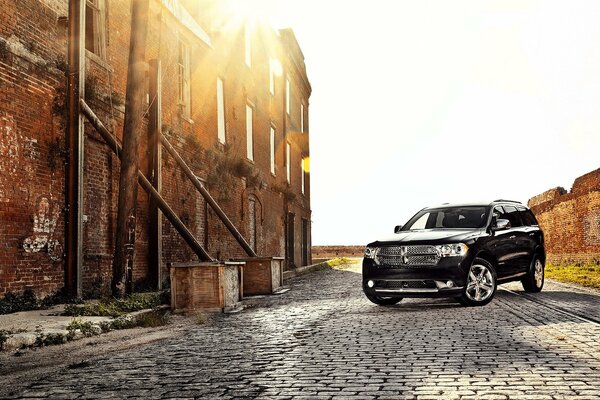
(571, 221)
(235, 99)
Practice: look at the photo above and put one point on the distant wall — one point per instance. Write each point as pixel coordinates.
(327, 252)
(571, 221)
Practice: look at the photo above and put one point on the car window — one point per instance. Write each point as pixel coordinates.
(527, 216)
(511, 214)
(449, 218)
(421, 222)
(498, 213)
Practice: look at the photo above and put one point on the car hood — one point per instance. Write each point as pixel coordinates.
(429, 236)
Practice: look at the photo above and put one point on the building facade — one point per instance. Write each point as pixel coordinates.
(234, 101)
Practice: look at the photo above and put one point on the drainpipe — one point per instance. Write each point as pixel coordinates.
(75, 139)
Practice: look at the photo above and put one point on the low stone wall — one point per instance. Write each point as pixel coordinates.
(327, 252)
(571, 221)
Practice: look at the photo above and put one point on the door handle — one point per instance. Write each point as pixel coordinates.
(512, 237)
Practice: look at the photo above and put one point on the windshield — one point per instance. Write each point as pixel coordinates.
(449, 218)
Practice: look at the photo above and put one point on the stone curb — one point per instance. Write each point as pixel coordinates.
(35, 339)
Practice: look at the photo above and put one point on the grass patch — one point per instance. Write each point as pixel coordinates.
(111, 307)
(584, 275)
(341, 263)
(28, 301)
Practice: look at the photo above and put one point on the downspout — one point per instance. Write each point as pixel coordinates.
(75, 143)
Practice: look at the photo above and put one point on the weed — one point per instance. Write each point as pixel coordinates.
(50, 339)
(112, 307)
(4, 335)
(201, 318)
(4, 50)
(85, 327)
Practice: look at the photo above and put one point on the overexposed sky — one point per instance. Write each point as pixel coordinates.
(417, 103)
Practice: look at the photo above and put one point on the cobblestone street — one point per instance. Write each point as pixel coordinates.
(324, 340)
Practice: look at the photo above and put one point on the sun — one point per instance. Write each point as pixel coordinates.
(275, 13)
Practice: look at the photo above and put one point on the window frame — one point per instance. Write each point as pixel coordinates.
(288, 159)
(221, 118)
(184, 76)
(98, 8)
(272, 136)
(249, 131)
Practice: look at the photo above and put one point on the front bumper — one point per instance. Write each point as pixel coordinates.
(417, 281)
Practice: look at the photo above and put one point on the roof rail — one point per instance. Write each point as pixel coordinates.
(508, 201)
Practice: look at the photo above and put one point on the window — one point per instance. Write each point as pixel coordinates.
(94, 27)
(288, 159)
(272, 149)
(302, 174)
(247, 46)
(287, 95)
(220, 111)
(448, 218)
(183, 66)
(512, 215)
(301, 117)
(527, 216)
(249, 138)
(271, 77)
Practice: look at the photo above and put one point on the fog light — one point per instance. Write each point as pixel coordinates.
(450, 284)
(370, 284)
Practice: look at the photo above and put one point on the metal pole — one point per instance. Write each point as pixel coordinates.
(209, 199)
(147, 186)
(154, 173)
(75, 143)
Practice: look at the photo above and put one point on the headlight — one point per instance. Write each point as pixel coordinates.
(371, 252)
(452, 250)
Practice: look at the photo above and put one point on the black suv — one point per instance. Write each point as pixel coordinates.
(459, 250)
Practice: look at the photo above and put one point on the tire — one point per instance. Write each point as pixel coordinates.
(481, 284)
(383, 301)
(534, 280)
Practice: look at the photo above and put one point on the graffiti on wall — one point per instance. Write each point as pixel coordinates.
(16, 169)
(18, 159)
(44, 227)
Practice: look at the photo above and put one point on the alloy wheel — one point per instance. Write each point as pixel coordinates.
(480, 283)
(538, 273)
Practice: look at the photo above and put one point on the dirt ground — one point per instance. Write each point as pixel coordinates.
(42, 360)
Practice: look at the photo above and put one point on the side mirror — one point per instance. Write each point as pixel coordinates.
(501, 224)
(398, 228)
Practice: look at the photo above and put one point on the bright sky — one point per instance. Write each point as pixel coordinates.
(417, 103)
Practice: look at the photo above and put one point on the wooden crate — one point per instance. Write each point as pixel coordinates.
(262, 275)
(206, 286)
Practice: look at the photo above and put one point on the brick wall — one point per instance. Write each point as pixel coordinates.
(32, 145)
(571, 221)
(32, 45)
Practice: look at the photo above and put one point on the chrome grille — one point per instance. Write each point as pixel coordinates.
(405, 284)
(407, 256)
